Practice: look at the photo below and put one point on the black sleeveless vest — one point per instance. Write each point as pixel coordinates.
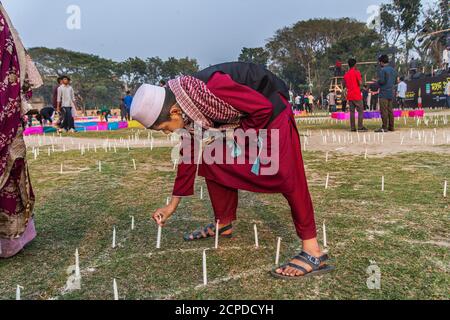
(254, 76)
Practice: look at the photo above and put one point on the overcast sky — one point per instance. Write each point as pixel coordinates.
(212, 31)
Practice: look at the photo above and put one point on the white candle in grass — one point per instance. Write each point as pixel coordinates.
(324, 229)
(382, 183)
(445, 188)
(327, 182)
(327, 157)
(115, 290)
(77, 264)
(277, 256)
(201, 193)
(62, 168)
(18, 293)
(216, 245)
(99, 166)
(158, 238)
(366, 154)
(132, 222)
(114, 238)
(134, 165)
(255, 227)
(205, 272)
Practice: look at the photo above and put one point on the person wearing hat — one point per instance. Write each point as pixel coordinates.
(237, 98)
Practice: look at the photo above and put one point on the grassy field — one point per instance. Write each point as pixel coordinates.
(404, 230)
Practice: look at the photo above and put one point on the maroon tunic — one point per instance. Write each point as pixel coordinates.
(290, 179)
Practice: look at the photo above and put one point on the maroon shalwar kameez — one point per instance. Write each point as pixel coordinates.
(224, 180)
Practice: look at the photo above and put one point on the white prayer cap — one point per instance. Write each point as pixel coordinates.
(147, 104)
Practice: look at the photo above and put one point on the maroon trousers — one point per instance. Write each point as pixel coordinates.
(225, 202)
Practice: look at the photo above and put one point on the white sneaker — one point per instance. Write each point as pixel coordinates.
(72, 131)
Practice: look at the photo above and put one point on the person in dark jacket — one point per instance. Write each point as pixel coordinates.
(387, 77)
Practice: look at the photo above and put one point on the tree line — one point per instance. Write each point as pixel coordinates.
(102, 82)
(301, 54)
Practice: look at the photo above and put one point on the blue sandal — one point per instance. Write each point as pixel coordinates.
(205, 233)
(317, 265)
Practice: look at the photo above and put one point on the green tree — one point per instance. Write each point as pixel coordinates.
(94, 79)
(432, 42)
(255, 55)
(400, 23)
(317, 43)
(174, 67)
(133, 72)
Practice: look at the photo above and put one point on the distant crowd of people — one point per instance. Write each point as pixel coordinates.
(304, 102)
(383, 92)
(64, 106)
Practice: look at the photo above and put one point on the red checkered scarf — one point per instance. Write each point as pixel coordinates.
(202, 106)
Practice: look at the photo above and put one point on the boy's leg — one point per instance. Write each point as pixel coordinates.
(224, 201)
(302, 209)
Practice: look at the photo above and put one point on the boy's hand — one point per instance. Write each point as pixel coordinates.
(162, 215)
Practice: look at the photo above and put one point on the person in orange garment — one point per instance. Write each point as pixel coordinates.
(234, 99)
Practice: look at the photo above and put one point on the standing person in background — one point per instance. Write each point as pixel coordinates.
(331, 101)
(374, 91)
(386, 79)
(353, 81)
(338, 68)
(305, 101)
(365, 95)
(66, 104)
(298, 102)
(311, 100)
(128, 100)
(123, 110)
(402, 88)
(413, 66)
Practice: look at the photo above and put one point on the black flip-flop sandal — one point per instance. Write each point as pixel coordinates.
(315, 263)
(204, 233)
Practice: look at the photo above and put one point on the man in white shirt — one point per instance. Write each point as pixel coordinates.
(402, 88)
(298, 102)
(331, 101)
(66, 104)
